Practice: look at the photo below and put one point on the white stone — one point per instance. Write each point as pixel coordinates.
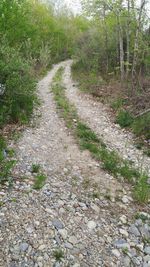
(91, 225)
(73, 240)
(125, 200)
(42, 247)
(63, 233)
(116, 253)
(123, 232)
(95, 208)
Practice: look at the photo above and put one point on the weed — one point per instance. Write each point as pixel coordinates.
(141, 126)
(124, 118)
(86, 134)
(117, 104)
(96, 194)
(86, 183)
(5, 163)
(141, 216)
(1, 203)
(142, 189)
(125, 250)
(35, 168)
(146, 240)
(58, 254)
(39, 181)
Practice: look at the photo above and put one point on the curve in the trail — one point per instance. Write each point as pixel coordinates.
(95, 114)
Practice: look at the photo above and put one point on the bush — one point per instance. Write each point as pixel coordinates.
(16, 104)
(141, 126)
(124, 118)
(6, 163)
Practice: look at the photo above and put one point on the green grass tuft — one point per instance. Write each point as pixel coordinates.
(58, 254)
(39, 181)
(124, 118)
(35, 168)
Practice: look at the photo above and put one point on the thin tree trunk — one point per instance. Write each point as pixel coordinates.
(128, 41)
(121, 50)
(106, 37)
(136, 43)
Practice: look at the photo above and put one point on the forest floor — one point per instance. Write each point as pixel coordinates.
(82, 216)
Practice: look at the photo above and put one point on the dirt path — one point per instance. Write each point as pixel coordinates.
(81, 210)
(97, 117)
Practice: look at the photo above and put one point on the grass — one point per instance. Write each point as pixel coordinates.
(35, 168)
(124, 118)
(39, 181)
(6, 163)
(87, 139)
(58, 255)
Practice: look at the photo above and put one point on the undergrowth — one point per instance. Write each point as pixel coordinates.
(6, 162)
(87, 139)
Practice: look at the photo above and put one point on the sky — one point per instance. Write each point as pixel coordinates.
(74, 5)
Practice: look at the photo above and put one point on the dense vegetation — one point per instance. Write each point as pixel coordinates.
(33, 36)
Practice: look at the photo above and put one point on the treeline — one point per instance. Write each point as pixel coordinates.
(118, 41)
(32, 37)
(113, 60)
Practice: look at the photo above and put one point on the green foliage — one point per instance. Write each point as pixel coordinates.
(58, 254)
(35, 168)
(141, 126)
(142, 189)
(39, 181)
(32, 37)
(85, 134)
(124, 118)
(16, 104)
(6, 163)
(117, 104)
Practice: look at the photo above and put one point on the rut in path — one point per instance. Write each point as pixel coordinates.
(96, 115)
(66, 213)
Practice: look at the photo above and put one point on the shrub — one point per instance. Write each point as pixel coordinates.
(141, 126)
(39, 181)
(16, 104)
(124, 118)
(6, 163)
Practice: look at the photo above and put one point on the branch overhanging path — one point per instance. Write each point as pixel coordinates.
(67, 214)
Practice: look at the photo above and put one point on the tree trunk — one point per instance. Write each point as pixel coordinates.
(106, 37)
(121, 49)
(128, 41)
(136, 43)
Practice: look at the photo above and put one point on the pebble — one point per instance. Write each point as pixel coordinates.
(68, 245)
(116, 253)
(134, 230)
(121, 243)
(91, 225)
(147, 250)
(123, 219)
(24, 247)
(63, 233)
(125, 200)
(73, 240)
(57, 224)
